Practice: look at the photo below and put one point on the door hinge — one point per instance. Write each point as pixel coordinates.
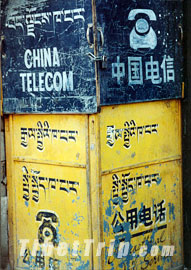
(2, 46)
(182, 89)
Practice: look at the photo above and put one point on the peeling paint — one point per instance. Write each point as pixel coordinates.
(26, 203)
(108, 210)
(84, 266)
(159, 179)
(133, 155)
(132, 203)
(106, 227)
(171, 211)
(78, 218)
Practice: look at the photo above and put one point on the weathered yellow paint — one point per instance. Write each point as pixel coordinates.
(48, 172)
(52, 189)
(95, 188)
(64, 166)
(159, 123)
(51, 138)
(10, 189)
(127, 195)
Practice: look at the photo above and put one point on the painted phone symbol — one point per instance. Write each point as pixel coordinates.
(142, 34)
(47, 230)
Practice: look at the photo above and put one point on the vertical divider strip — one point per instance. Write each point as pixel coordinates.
(95, 185)
(95, 37)
(89, 187)
(10, 190)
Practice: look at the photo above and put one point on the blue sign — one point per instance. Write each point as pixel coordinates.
(46, 64)
(143, 49)
(46, 67)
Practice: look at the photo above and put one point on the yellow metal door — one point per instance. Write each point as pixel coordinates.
(141, 186)
(96, 192)
(48, 185)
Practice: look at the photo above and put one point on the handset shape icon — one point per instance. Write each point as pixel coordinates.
(142, 34)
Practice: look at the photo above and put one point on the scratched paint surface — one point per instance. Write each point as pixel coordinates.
(139, 133)
(52, 207)
(142, 44)
(54, 138)
(46, 67)
(142, 206)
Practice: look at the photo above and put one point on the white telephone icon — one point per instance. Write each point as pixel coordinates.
(142, 34)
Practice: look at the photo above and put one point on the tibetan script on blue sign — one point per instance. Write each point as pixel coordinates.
(46, 67)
